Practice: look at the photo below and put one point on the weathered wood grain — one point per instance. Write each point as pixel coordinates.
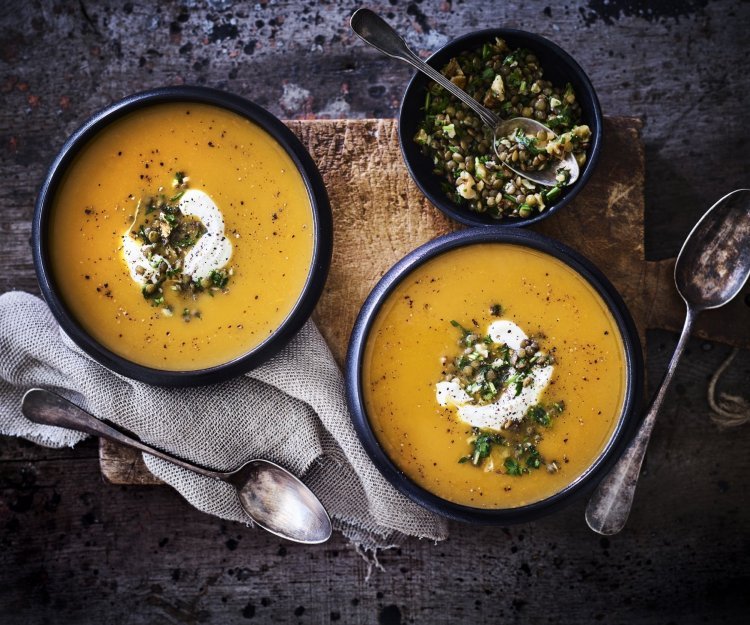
(77, 550)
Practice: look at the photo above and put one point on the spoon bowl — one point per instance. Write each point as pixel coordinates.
(546, 177)
(711, 269)
(714, 261)
(273, 498)
(280, 503)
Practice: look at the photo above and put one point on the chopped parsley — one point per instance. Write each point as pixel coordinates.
(481, 446)
(219, 278)
(520, 440)
(512, 467)
(165, 236)
(484, 369)
(527, 141)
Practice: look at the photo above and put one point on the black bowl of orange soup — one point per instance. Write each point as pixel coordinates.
(493, 375)
(182, 236)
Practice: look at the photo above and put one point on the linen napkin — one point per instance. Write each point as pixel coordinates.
(291, 410)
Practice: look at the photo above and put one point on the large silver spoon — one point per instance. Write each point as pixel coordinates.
(372, 29)
(711, 269)
(273, 498)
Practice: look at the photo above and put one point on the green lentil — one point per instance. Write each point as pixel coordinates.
(166, 236)
(511, 83)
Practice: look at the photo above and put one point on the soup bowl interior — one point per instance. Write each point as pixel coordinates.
(301, 308)
(624, 423)
(559, 67)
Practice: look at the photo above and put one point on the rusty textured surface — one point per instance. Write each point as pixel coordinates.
(78, 550)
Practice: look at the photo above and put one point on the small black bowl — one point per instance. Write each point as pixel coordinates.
(623, 431)
(559, 67)
(322, 249)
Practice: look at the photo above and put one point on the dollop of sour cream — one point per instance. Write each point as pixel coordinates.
(508, 406)
(210, 253)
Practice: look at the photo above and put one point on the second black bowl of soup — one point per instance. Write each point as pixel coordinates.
(182, 236)
(493, 375)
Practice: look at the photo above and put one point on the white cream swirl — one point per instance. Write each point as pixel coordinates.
(211, 252)
(214, 249)
(508, 406)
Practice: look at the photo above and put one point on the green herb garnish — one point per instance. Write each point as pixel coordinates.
(482, 446)
(527, 142)
(219, 278)
(540, 415)
(166, 235)
(512, 467)
(484, 369)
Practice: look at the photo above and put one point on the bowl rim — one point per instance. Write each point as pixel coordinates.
(623, 431)
(417, 84)
(322, 245)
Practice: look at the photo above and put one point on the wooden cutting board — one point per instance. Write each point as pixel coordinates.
(380, 215)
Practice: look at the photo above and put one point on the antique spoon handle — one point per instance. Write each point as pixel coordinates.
(609, 506)
(48, 408)
(373, 30)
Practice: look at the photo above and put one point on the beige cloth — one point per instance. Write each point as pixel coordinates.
(290, 410)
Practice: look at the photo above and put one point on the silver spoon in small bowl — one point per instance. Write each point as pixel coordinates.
(372, 29)
(273, 498)
(711, 269)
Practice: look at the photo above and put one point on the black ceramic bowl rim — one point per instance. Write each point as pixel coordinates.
(420, 166)
(623, 432)
(322, 248)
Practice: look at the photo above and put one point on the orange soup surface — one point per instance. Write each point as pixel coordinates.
(130, 171)
(573, 347)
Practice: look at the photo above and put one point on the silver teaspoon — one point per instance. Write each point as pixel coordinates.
(373, 30)
(711, 269)
(273, 498)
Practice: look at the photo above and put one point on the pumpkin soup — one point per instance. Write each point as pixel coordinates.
(493, 375)
(181, 236)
